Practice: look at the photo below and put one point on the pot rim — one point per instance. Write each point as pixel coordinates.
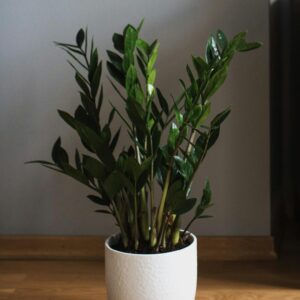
(174, 252)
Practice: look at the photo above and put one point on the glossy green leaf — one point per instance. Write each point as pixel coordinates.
(115, 59)
(98, 200)
(180, 205)
(200, 66)
(113, 185)
(82, 84)
(212, 52)
(59, 155)
(114, 140)
(205, 200)
(143, 46)
(215, 82)
(103, 211)
(220, 118)
(93, 64)
(74, 173)
(96, 80)
(118, 41)
(162, 101)
(244, 46)
(221, 39)
(91, 138)
(80, 38)
(153, 57)
(173, 136)
(116, 74)
(131, 78)
(94, 167)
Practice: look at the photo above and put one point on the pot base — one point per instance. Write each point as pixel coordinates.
(162, 276)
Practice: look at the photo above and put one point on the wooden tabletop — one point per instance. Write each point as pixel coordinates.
(84, 280)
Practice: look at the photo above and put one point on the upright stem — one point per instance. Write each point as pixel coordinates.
(123, 232)
(144, 216)
(136, 239)
(163, 200)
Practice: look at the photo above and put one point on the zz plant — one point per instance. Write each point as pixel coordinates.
(123, 183)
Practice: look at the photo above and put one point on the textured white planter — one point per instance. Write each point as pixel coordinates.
(167, 276)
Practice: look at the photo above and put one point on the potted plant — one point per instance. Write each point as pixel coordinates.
(153, 256)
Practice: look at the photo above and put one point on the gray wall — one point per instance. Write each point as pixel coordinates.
(35, 80)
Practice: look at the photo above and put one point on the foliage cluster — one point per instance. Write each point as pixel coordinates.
(123, 184)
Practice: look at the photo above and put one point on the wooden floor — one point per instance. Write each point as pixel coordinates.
(84, 280)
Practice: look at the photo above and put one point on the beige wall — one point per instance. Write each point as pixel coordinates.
(35, 80)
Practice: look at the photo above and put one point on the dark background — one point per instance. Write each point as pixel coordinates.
(285, 124)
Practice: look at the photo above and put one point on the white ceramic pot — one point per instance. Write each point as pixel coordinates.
(167, 276)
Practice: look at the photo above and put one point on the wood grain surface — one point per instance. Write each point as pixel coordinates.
(84, 280)
(91, 247)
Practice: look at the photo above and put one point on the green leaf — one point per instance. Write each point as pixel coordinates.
(173, 136)
(136, 114)
(162, 101)
(215, 82)
(115, 140)
(113, 185)
(178, 116)
(96, 80)
(115, 59)
(215, 127)
(82, 84)
(59, 155)
(74, 173)
(98, 200)
(132, 167)
(129, 46)
(244, 46)
(139, 94)
(130, 39)
(93, 64)
(140, 25)
(103, 211)
(131, 77)
(180, 205)
(91, 138)
(144, 47)
(221, 39)
(220, 118)
(151, 77)
(153, 56)
(94, 167)
(100, 100)
(88, 104)
(184, 167)
(44, 162)
(116, 74)
(235, 42)
(205, 200)
(200, 65)
(142, 66)
(212, 52)
(118, 41)
(205, 113)
(80, 38)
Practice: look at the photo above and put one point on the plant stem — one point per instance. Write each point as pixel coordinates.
(136, 239)
(198, 163)
(163, 200)
(123, 232)
(188, 226)
(162, 233)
